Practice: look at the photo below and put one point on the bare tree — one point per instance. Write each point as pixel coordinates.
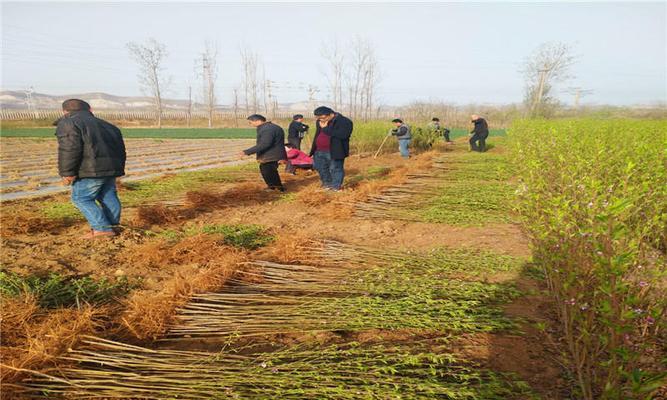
(336, 66)
(208, 67)
(362, 79)
(150, 57)
(549, 64)
(371, 81)
(250, 61)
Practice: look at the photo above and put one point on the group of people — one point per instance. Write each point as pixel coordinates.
(477, 136)
(328, 151)
(91, 155)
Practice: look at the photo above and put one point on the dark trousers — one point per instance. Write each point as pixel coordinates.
(446, 135)
(478, 143)
(269, 171)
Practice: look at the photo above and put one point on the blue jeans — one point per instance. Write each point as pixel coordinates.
(331, 171)
(403, 147)
(86, 192)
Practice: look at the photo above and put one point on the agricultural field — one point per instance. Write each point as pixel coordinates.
(29, 166)
(429, 278)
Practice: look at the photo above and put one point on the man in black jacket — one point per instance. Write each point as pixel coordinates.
(331, 145)
(91, 155)
(270, 148)
(479, 133)
(296, 131)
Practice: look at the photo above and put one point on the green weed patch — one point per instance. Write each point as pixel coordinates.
(249, 237)
(56, 290)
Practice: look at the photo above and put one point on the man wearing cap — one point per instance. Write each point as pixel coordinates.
(402, 132)
(269, 148)
(296, 131)
(331, 145)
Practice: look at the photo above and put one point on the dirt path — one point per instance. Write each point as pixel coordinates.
(491, 256)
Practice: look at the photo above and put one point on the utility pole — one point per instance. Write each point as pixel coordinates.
(311, 95)
(540, 90)
(189, 114)
(31, 105)
(208, 81)
(578, 93)
(236, 107)
(270, 104)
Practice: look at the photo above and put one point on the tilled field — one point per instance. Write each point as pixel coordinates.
(29, 167)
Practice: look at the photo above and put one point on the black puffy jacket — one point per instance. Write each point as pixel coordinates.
(270, 145)
(89, 147)
(481, 128)
(340, 130)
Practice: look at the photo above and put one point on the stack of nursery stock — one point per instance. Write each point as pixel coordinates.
(593, 197)
(409, 291)
(354, 288)
(349, 371)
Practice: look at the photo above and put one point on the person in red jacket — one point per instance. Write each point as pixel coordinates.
(297, 159)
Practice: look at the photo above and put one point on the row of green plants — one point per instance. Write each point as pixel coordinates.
(56, 290)
(592, 196)
(474, 191)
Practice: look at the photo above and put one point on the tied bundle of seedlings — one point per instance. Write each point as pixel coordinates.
(417, 185)
(263, 314)
(266, 276)
(301, 298)
(106, 369)
(464, 264)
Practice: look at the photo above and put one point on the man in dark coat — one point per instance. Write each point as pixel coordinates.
(91, 155)
(296, 131)
(331, 145)
(479, 134)
(269, 148)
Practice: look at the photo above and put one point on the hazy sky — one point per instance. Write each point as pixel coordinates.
(455, 52)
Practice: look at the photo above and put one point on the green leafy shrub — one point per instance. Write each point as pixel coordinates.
(593, 199)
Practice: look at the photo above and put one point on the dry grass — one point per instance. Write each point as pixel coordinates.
(241, 194)
(342, 205)
(288, 249)
(205, 266)
(32, 340)
(155, 214)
